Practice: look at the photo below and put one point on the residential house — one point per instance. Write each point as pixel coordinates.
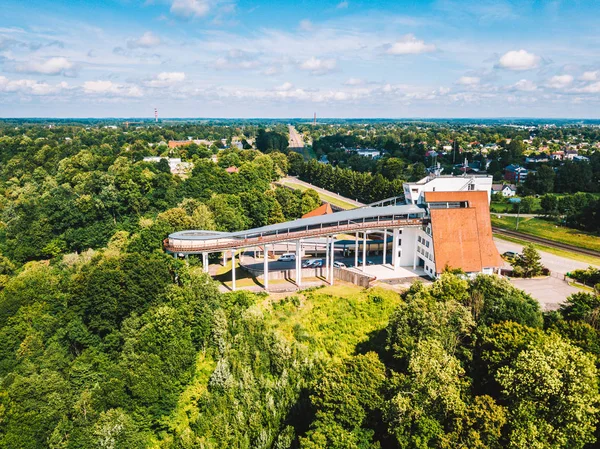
(515, 173)
(506, 190)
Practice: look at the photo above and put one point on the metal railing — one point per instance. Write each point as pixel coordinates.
(194, 246)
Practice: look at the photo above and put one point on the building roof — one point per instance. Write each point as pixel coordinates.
(462, 237)
(232, 169)
(324, 209)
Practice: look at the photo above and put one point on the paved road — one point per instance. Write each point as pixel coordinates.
(295, 180)
(295, 138)
(554, 263)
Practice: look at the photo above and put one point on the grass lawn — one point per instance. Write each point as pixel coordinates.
(557, 252)
(324, 197)
(334, 320)
(549, 230)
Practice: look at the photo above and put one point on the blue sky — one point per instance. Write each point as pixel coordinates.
(228, 58)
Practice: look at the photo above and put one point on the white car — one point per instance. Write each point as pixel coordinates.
(289, 257)
(339, 264)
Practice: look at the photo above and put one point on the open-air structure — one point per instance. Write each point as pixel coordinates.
(447, 230)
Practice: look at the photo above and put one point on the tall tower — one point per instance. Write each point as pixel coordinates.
(155, 115)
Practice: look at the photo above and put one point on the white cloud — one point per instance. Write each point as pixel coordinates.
(287, 86)
(147, 40)
(589, 76)
(519, 60)
(468, 80)
(166, 79)
(306, 25)
(31, 87)
(272, 70)
(238, 60)
(190, 8)
(559, 81)
(525, 85)
(342, 5)
(593, 88)
(112, 89)
(51, 66)
(354, 82)
(318, 66)
(409, 45)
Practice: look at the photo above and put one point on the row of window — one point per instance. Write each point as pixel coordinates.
(423, 241)
(426, 254)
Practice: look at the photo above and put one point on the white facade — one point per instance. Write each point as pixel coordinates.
(414, 191)
(175, 164)
(508, 191)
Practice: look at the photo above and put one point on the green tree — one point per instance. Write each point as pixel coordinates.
(529, 262)
(552, 396)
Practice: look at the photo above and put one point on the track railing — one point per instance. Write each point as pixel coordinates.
(192, 246)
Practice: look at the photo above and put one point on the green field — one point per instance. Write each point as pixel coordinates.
(324, 197)
(549, 230)
(332, 321)
(509, 208)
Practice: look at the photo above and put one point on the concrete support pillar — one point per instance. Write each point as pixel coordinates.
(266, 268)
(364, 250)
(384, 244)
(415, 258)
(224, 258)
(327, 258)
(332, 260)
(205, 262)
(233, 270)
(395, 249)
(298, 263)
(356, 250)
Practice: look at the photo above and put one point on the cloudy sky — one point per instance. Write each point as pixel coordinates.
(285, 58)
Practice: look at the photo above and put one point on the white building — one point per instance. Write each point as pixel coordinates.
(414, 191)
(176, 166)
(369, 152)
(507, 190)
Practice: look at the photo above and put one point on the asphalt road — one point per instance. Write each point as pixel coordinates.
(295, 138)
(554, 263)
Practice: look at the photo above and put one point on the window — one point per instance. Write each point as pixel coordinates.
(427, 243)
(419, 239)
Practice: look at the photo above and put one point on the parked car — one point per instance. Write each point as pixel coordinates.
(318, 263)
(339, 264)
(309, 263)
(288, 257)
(360, 262)
(510, 255)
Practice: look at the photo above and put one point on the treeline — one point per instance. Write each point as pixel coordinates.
(62, 196)
(580, 210)
(119, 349)
(466, 365)
(363, 187)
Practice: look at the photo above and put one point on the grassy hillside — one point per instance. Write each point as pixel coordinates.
(549, 230)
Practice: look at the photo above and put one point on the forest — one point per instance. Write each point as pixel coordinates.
(108, 342)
